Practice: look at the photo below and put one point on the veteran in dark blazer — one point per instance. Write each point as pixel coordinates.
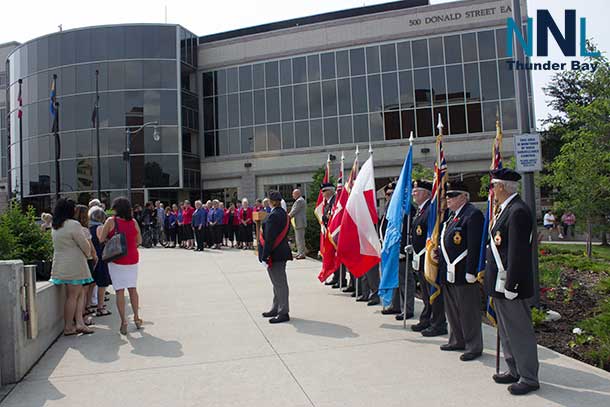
(432, 320)
(509, 279)
(460, 245)
(273, 250)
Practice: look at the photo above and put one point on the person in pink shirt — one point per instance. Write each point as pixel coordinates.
(187, 219)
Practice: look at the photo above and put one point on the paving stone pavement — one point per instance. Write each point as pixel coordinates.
(205, 343)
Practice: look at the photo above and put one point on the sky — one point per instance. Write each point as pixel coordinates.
(207, 17)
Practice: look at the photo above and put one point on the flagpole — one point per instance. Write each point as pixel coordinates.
(358, 279)
(342, 273)
(57, 144)
(409, 250)
(97, 134)
(20, 147)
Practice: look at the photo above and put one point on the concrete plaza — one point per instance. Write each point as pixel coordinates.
(205, 344)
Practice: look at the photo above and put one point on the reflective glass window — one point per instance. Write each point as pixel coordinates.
(68, 80)
(301, 134)
(223, 142)
(356, 58)
(507, 80)
(487, 45)
(361, 128)
(234, 141)
(490, 110)
(376, 126)
(169, 79)
(328, 65)
(471, 85)
(315, 100)
(374, 91)
(359, 94)
(388, 57)
(116, 40)
(422, 87)
(475, 125)
(407, 118)
(329, 98)
(469, 47)
(271, 74)
(221, 82)
(116, 75)
(274, 137)
(133, 74)
(246, 106)
(391, 125)
(457, 119)
(313, 67)
(245, 77)
(152, 75)
(439, 90)
(317, 135)
(390, 91)
(208, 83)
(273, 105)
(247, 140)
(453, 49)
(455, 84)
(489, 80)
(344, 96)
(258, 76)
(405, 79)
(420, 53)
(372, 59)
(346, 133)
(233, 105)
(259, 107)
(501, 42)
(285, 72)
(403, 50)
(299, 70)
(424, 123)
(509, 115)
(436, 51)
(232, 80)
(301, 104)
(222, 118)
(286, 103)
(331, 131)
(342, 58)
(287, 135)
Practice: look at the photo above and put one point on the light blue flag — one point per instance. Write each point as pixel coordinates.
(400, 204)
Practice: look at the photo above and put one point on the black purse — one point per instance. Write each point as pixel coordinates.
(116, 246)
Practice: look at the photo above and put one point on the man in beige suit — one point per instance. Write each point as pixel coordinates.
(298, 216)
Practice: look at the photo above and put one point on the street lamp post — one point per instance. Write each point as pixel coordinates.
(127, 152)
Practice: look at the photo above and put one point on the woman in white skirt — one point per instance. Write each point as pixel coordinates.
(124, 271)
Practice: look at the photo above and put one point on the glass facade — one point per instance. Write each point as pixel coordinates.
(3, 123)
(145, 75)
(359, 95)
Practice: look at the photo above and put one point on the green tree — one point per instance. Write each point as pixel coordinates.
(580, 172)
(421, 172)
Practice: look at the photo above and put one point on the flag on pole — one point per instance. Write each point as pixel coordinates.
(319, 209)
(359, 248)
(334, 224)
(435, 216)
(19, 102)
(496, 163)
(400, 204)
(53, 106)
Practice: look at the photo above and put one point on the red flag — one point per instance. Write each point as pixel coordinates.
(359, 248)
(19, 102)
(319, 210)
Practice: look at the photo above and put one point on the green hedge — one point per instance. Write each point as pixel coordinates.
(21, 237)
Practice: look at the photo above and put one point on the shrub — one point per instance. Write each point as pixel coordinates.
(603, 287)
(312, 233)
(25, 240)
(538, 317)
(599, 327)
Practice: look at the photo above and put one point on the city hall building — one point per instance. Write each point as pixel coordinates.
(245, 111)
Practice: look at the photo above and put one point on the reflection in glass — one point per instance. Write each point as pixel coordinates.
(471, 76)
(405, 79)
(331, 131)
(376, 126)
(247, 140)
(356, 59)
(301, 105)
(420, 53)
(286, 103)
(328, 65)
(301, 133)
(408, 123)
(422, 87)
(487, 45)
(274, 138)
(424, 123)
(208, 83)
(361, 128)
(221, 82)
(329, 98)
(232, 80)
(455, 84)
(285, 72)
(439, 90)
(315, 100)
(403, 50)
(258, 76)
(392, 125)
(372, 59)
(234, 141)
(457, 119)
(344, 96)
(390, 91)
(271, 74)
(299, 70)
(233, 104)
(453, 49)
(501, 42)
(489, 80)
(346, 134)
(436, 51)
(287, 136)
(388, 57)
(342, 58)
(509, 115)
(273, 105)
(245, 77)
(313, 67)
(490, 110)
(246, 108)
(469, 47)
(359, 96)
(507, 80)
(315, 129)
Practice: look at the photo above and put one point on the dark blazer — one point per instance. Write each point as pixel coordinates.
(463, 232)
(405, 230)
(328, 209)
(512, 236)
(419, 228)
(272, 226)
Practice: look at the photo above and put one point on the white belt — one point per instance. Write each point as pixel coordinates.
(451, 265)
(501, 277)
(416, 259)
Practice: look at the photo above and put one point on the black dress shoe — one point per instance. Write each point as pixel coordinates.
(400, 316)
(362, 298)
(465, 357)
(331, 282)
(373, 301)
(390, 311)
(279, 318)
(349, 290)
(270, 314)
(448, 347)
(519, 389)
(353, 295)
(336, 285)
(430, 332)
(505, 378)
(419, 327)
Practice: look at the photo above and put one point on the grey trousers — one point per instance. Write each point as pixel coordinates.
(299, 235)
(371, 282)
(463, 309)
(432, 314)
(518, 338)
(277, 274)
(403, 273)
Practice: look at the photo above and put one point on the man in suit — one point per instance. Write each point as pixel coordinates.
(273, 250)
(299, 216)
(509, 279)
(460, 244)
(432, 319)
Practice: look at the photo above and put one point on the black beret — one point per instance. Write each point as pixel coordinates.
(422, 184)
(390, 187)
(505, 174)
(275, 195)
(326, 185)
(455, 186)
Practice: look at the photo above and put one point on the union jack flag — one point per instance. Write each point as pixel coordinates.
(436, 216)
(496, 163)
(19, 102)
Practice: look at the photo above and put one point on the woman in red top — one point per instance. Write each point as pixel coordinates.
(124, 270)
(187, 219)
(245, 225)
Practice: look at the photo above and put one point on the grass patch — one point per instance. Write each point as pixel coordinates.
(599, 252)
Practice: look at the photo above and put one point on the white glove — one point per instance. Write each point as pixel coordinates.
(510, 295)
(470, 278)
(401, 256)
